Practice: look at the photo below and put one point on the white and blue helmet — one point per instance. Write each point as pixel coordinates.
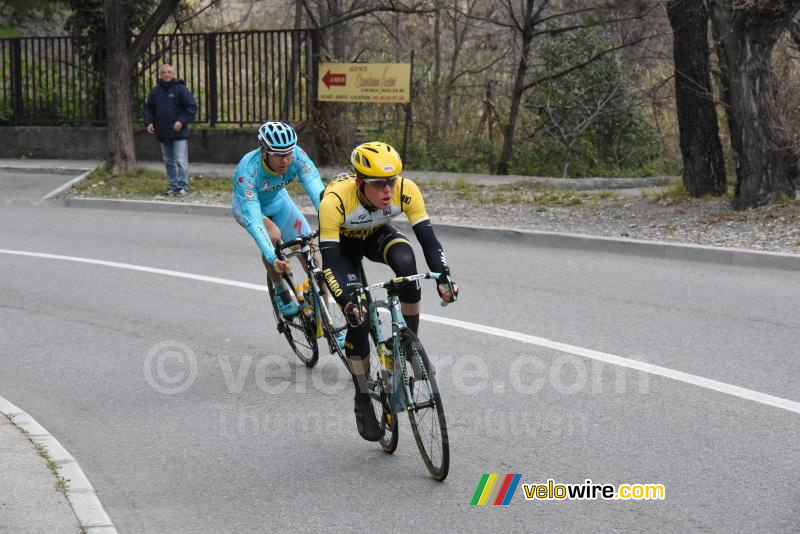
(277, 137)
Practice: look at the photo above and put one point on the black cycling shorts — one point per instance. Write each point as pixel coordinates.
(387, 245)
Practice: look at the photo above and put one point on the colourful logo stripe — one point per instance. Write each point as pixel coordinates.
(477, 495)
(503, 489)
(512, 488)
(498, 485)
(487, 489)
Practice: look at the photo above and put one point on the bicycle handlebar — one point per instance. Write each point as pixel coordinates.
(441, 278)
(302, 240)
(397, 280)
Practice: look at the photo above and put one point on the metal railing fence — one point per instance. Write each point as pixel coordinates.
(237, 78)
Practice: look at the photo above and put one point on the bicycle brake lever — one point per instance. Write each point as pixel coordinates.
(445, 280)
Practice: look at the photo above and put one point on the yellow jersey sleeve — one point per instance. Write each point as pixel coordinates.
(411, 202)
(331, 217)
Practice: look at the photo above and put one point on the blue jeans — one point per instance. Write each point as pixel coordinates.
(176, 158)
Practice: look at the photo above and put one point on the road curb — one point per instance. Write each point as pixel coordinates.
(224, 171)
(558, 240)
(157, 206)
(81, 496)
(635, 247)
(45, 170)
(63, 187)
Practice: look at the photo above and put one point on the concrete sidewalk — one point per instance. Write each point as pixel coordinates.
(30, 497)
(29, 500)
(76, 167)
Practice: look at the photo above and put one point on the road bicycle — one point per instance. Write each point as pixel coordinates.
(315, 319)
(401, 378)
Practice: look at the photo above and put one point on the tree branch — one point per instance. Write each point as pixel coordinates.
(310, 14)
(151, 27)
(478, 70)
(391, 33)
(198, 12)
(582, 64)
(391, 8)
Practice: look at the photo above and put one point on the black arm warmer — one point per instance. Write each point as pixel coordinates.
(434, 254)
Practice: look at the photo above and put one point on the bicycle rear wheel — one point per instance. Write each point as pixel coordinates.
(299, 330)
(425, 410)
(332, 322)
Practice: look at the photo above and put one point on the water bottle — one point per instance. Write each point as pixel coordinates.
(306, 304)
(386, 358)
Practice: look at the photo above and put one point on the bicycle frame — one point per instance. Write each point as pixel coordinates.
(316, 282)
(396, 399)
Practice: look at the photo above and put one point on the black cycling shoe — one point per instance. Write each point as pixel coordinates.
(366, 421)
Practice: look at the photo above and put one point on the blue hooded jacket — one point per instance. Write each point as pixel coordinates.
(167, 103)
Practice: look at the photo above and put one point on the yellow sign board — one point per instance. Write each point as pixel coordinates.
(380, 83)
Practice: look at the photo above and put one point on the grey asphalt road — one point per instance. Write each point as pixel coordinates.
(23, 187)
(257, 443)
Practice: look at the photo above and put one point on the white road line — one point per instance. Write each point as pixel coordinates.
(141, 268)
(649, 368)
(706, 383)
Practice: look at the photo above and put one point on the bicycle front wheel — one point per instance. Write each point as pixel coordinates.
(425, 410)
(380, 402)
(299, 330)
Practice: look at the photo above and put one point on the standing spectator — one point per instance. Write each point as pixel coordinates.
(169, 110)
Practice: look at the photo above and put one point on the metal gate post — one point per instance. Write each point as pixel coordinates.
(16, 80)
(211, 78)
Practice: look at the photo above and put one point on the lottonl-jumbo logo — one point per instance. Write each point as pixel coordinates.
(495, 489)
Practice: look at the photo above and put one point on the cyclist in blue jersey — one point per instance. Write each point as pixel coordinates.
(262, 205)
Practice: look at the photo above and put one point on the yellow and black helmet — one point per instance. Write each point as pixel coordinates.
(376, 160)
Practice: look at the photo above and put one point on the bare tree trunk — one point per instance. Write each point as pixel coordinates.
(718, 15)
(567, 159)
(767, 168)
(794, 30)
(121, 156)
(298, 14)
(336, 11)
(294, 73)
(326, 123)
(398, 51)
(121, 56)
(519, 88)
(703, 161)
(433, 138)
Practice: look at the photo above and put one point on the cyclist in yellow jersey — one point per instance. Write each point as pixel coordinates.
(354, 222)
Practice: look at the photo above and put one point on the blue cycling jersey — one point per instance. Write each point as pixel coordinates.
(258, 192)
